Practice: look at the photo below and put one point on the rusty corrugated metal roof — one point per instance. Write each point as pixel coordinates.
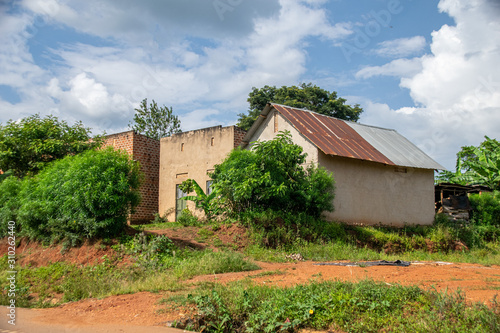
(332, 136)
(347, 139)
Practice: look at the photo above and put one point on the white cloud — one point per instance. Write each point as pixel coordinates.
(17, 68)
(135, 22)
(398, 67)
(457, 89)
(181, 54)
(198, 119)
(400, 48)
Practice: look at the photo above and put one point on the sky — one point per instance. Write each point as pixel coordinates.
(428, 69)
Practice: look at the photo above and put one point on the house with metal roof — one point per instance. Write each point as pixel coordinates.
(381, 177)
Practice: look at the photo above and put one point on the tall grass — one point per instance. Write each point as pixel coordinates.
(275, 235)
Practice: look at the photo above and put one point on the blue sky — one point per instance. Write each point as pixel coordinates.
(429, 69)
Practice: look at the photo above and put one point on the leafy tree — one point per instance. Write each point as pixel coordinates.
(476, 166)
(271, 176)
(201, 199)
(307, 96)
(26, 146)
(155, 122)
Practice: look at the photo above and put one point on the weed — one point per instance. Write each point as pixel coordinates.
(208, 262)
(187, 218)
(366, 306)
(149, 251)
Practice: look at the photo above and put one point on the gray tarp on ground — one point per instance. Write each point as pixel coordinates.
(368, 263)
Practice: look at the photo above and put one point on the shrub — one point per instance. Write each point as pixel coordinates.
(187, 219)
(80, 196)
(150, 251)
(9, 202)
(280, 229)
(271, 176)
(486, 208)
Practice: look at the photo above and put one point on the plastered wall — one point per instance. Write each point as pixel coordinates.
(191, 155)
(372, 193)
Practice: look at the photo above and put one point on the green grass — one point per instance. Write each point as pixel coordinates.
(338, 250)
(365, 306)
(157, 226)
(158, 267)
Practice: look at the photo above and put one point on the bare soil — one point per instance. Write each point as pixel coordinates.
(478, 283)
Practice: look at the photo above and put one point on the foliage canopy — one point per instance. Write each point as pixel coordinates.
(26, 146)
(155, 122)
(272, 176)
(476, 166)
(307, 96)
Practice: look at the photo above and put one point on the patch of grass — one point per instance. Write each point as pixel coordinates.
(260, 253)
(157, 226)
(337, 251)
(366, 306)
(208, 262)
(204, 234)
(267, 273)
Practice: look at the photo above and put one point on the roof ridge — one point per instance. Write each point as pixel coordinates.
(324, 115)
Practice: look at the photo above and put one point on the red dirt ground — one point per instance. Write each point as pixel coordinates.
(479, 283)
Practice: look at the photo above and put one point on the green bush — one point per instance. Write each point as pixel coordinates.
(271, 176)
(486, 208)
(9, 202)
(187, 219)
(281, 229)
(149, 251)
(82, 196)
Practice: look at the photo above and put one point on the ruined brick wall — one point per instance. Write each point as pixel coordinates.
(239, 134)
(147, 152)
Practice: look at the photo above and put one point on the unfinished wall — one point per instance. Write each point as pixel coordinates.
(372, 193)
(147, 152)
(191, 155)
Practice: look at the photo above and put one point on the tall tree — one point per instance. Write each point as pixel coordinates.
(26, 146)
(155, 122)
(476, 165)
(307, 96)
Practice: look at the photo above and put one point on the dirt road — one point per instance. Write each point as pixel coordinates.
(142, 312)
(56, 321)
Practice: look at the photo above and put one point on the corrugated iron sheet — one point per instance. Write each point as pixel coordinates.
(395, 147)
(347, 139)
(332, 136)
